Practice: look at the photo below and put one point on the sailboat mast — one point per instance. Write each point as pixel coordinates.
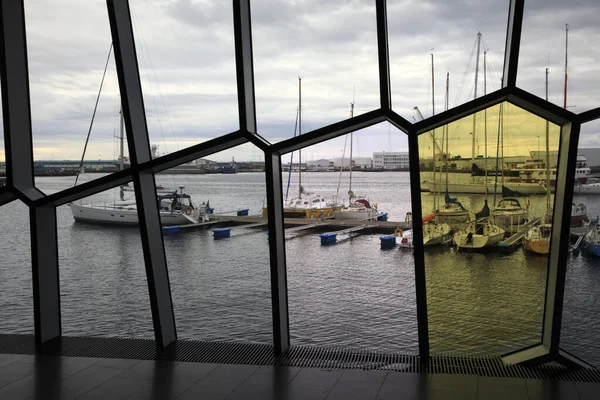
(547, 154)
(435, 192)
(446, 126)
(475, 95)
(351, 138)
(299, 133)
(566, 55)
(485, 122)
(121, 155)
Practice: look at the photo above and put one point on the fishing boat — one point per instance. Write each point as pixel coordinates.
(358, 208)
(537, 239)
(591, 240)
(587, 188)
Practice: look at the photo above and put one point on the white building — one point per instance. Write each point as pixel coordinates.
(390, 160)
(357, 162)
(320, 165)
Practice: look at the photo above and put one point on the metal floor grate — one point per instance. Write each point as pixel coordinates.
(297, 356)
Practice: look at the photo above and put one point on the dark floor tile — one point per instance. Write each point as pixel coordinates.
(80, 383)
(115, 389)
(250, 390)
(404, 392)
(13, 372)
(232, 374)
(297, 391)
(279, 370)
(323, 378)
(407, 379)
(588, 391)
(360, 375)
(19, 389)
(120, 363)
(501, 388)
(457, 383)
(149, 370)
(538, 389)
(354, 390)
(6, 359)
(199, 370)
(450, 395)
(207, 390)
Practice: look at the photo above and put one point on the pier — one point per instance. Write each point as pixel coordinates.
(516, 238)
(296, 225)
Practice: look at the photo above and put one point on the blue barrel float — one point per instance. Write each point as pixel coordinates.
(171, 229)
(221, 233)
(388, 241)
(243, 212)
(328, 238)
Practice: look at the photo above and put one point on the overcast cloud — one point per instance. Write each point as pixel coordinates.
(186, 58)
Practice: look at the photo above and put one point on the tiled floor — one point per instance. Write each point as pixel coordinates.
(49, 377)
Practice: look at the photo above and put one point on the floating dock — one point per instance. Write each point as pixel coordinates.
(516, 238)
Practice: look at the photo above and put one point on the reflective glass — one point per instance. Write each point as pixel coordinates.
(186, 58)
(449, 31)
(555, 34)
(331, 46)
(218, 256)
(16, 299)
(103, 281)
(65, 72)
(485, 178)
(351, 276)
(580, 315)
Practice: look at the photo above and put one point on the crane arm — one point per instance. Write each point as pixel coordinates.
(430, 133)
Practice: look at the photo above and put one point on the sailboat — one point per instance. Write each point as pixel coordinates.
(358, 208)
(591, 240)
(436, 232)
(306, 204)
(481, 232)
(537, 239)
(175, 207)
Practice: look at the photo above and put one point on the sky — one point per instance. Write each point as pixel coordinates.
(186, 58)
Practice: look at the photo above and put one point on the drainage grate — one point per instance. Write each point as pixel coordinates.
(297, 356)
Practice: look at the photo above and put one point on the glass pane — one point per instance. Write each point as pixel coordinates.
(187, 66)
(103, 281)
(64, 89)
(16, 296)
(545, 43)
(485, 177)
(580, 315)
(220, 285)
(291, 40)
(449, 32)
(356, 289)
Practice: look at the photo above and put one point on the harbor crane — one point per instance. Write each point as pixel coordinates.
(437, 147)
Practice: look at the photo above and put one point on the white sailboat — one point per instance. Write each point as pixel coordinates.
(358, 208)
(481, 232)
(537, 239)
(175, 207)
(436, 232)
(306, 204)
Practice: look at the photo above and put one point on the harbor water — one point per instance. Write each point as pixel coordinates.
(351, 294)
